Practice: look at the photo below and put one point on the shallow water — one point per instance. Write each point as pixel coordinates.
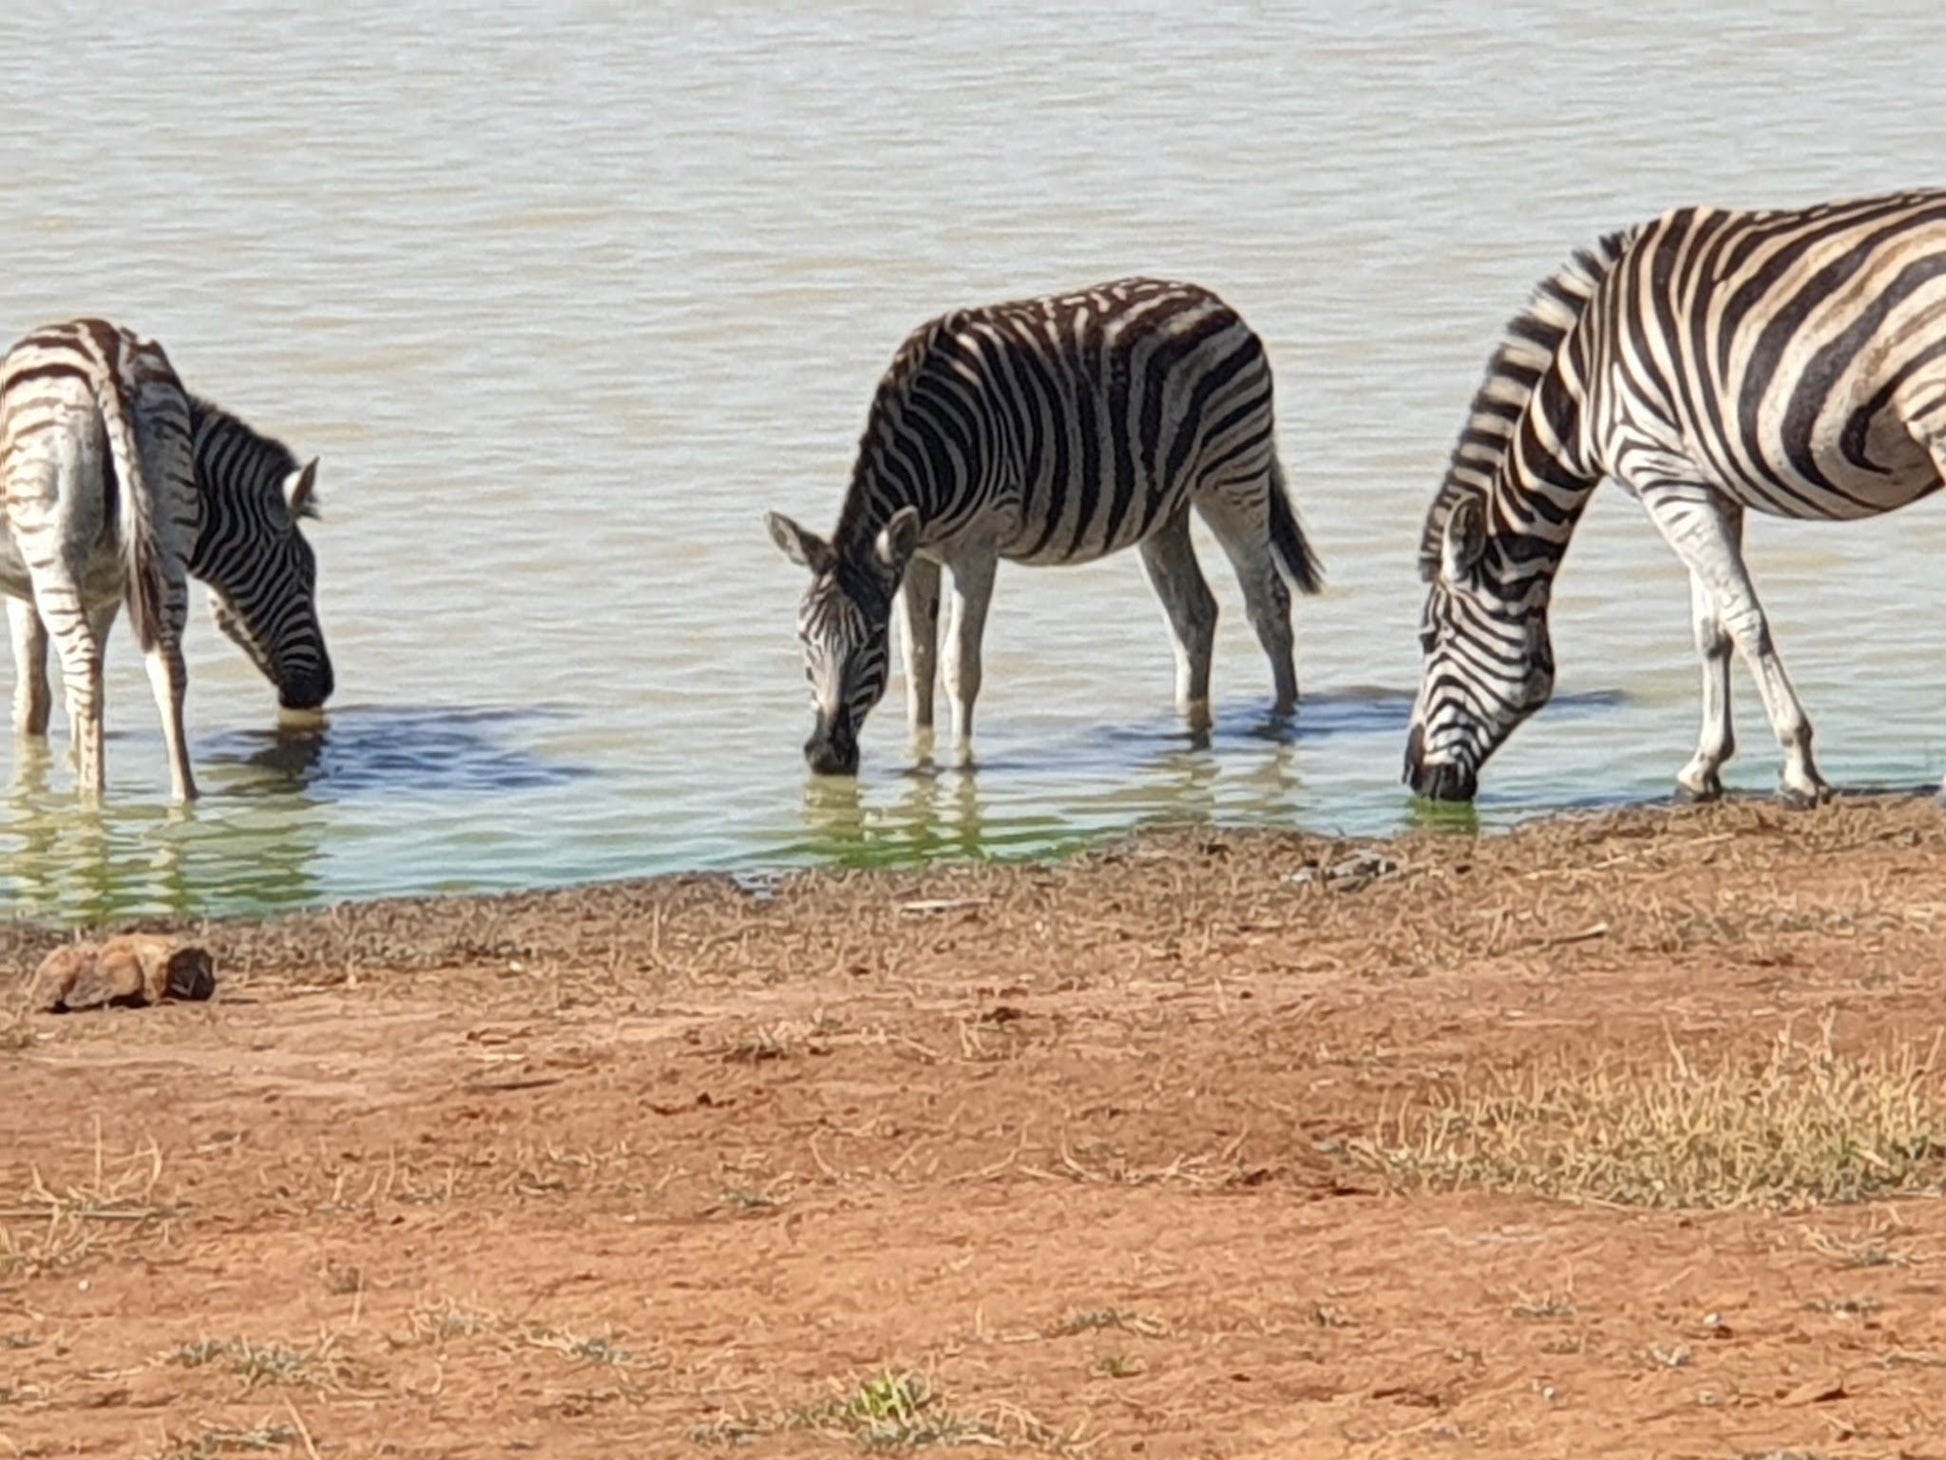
(566, 296)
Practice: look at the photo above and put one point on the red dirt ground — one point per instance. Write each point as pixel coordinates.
(650, 1169)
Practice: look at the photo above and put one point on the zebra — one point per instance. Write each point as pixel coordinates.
(1049, 430)
(1711, 361)
(114, 483)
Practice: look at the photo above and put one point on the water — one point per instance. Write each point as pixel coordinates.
(567, 295)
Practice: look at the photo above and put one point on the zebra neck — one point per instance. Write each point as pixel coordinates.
(240, 477)
(1541, 485)
(866, 511)
(219, 517)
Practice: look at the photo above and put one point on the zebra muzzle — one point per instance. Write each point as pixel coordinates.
(1442, 781)
(832, 749)
(306, 692)
(1445, 782)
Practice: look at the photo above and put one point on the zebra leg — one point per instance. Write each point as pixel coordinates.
(1190, 607)
(79, 648)
(169, 680)
(33, 700)
(1707, 535)
(1244, 533)
(1701, 780)
(972, 592)
(919, 636)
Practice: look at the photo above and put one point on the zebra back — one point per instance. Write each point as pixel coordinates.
(1092, 416)
(1527, 350)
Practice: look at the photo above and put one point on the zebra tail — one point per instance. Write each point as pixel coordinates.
(146, 581)
(1300, 564)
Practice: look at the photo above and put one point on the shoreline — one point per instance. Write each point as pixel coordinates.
(1114, 1154)
(27, 937)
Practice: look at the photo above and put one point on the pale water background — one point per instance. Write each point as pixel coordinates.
(567, 295)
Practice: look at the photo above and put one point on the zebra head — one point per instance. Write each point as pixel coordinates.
(1489, 663)
(844, 624)
(261, 574)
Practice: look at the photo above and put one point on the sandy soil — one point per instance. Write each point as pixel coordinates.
(648, 1169)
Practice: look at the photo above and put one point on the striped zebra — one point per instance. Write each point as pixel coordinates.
(114, 484)
(1051, 430)
(1710, 361)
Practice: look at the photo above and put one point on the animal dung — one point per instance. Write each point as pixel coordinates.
(130, 971)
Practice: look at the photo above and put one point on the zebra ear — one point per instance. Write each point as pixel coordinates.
(1464, 541)
(898, 538)
(802, 547)
(298, 489)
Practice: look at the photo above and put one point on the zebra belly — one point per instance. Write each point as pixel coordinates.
(1906, 468)
(1859, 473)
(1059, 555)
(1031, 543)
(1874, 495)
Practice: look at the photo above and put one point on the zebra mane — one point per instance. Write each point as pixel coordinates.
(249, 456)
(888, 407)
(1526, 350)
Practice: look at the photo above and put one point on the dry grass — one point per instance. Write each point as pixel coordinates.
(47, 1226)
(585, 1348)
(1873, 1249)
(444, 1321)
(1802, 1124)
(210, 1444)
(748, 1200)
(1096, 1320)
(891, 1411)
(764, 1042)
(322, 1365)
(1543, 1307)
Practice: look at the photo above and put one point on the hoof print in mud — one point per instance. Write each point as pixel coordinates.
(129, 971)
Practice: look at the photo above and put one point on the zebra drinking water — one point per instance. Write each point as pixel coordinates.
(1711, 361)
(114, 483)
(1051, 430)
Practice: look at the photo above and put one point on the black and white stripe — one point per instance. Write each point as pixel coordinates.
(1048, 431)
(1791, 361)
(261, 573)
(115, 486)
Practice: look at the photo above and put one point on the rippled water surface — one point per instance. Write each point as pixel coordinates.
(566, 296)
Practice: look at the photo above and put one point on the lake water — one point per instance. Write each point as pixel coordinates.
(567, 295)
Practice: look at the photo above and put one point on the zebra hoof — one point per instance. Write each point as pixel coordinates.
(1799, 799)
(1710, 790)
